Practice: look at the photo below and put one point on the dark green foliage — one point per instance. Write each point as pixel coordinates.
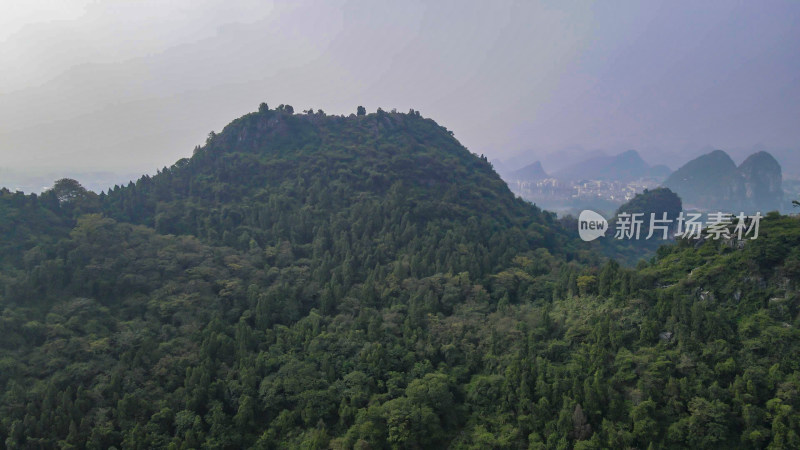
(312, 281)
(391, 189)
(652, 203)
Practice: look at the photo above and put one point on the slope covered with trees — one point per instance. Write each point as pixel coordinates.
(312, 281)
(373, 190)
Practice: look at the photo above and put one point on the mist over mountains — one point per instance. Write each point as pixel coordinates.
(596, 165)
(599, 181)
(710, 181)
(37, 181)
(184, 266)
(531, 172)
(624, 167)
(713, 181)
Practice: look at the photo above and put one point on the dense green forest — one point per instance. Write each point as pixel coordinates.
(314, 281)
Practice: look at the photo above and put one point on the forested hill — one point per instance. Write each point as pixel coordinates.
(306, 281)
(376, 189)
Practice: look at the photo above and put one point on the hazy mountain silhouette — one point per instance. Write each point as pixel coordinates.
(624, 167)
(712, 181)
(531, 172)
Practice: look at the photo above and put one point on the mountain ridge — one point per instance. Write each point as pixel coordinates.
(624, 167)
(328, 164)
(531, 172)
(713, 181)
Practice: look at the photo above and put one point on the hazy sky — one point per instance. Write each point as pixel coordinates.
(135, 85)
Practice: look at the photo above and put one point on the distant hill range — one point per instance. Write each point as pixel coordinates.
(531, 172)
(624, 167)
(713, 182)
(37, 181)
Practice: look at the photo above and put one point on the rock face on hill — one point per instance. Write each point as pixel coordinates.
(713, 182)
